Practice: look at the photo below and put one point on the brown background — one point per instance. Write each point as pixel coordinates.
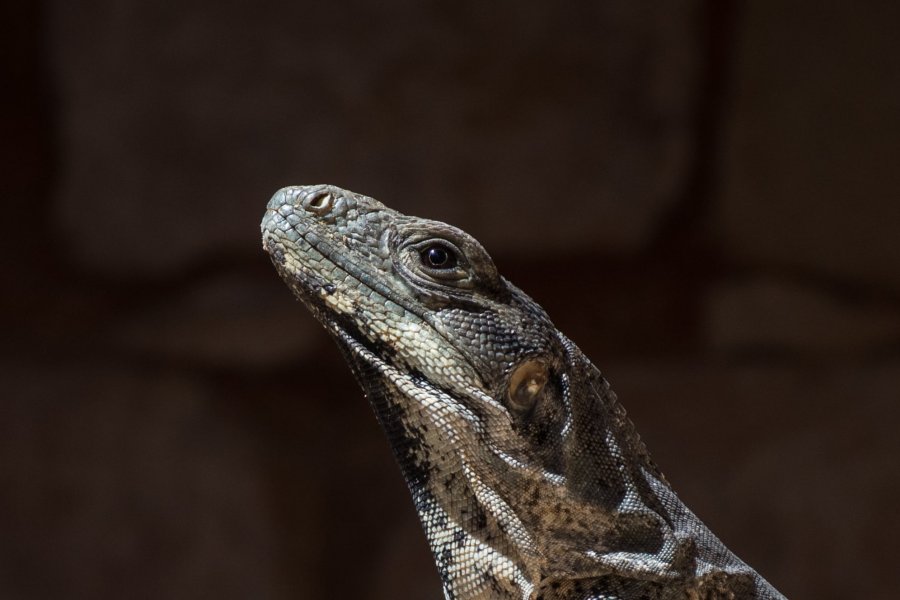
(702, 193)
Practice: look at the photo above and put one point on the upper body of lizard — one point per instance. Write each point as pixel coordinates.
(528, 478)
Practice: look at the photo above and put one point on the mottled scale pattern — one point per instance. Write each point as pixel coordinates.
(529, 480)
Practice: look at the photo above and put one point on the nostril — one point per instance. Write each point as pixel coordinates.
(318, 203)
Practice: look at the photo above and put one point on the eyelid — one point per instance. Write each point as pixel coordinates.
(456, 275)
(474, 271)
(422, 245)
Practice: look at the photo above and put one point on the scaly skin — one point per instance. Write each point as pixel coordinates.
(528, 478)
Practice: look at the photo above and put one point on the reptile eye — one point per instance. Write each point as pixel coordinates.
(439, 257)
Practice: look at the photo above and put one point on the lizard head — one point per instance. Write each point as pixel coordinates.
(508, 437)
(423, 296)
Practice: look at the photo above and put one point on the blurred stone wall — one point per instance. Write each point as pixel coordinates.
(702, 194)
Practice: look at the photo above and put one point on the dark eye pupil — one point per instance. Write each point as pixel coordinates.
(438, 257)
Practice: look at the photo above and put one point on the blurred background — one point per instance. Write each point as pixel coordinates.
(702, 193)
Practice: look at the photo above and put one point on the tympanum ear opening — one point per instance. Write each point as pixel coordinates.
(526, 383)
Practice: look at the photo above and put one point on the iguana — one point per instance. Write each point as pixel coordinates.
(528, 478)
